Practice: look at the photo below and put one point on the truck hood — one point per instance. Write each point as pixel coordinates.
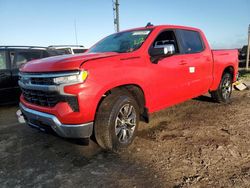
(63, 62)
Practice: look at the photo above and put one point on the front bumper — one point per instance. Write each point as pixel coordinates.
(40, 120)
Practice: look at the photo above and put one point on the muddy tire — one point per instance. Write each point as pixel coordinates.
(224, 91)
(116, 121)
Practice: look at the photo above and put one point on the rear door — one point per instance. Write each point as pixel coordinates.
(199, 62)
(5, 77)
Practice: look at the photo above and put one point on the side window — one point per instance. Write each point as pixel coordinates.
(23, 57)
(165, 38)
(50, 53)
(2, 60)
(60, 51)
(77, 51)
(66, 50)
(191, 41)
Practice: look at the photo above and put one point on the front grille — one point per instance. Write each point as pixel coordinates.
(41, 98)
(49, 99)
(42, 81)
(32, 85)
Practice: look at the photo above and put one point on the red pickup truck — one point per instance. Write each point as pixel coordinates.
(121, 80)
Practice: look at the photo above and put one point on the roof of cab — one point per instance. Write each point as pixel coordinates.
(164, 27)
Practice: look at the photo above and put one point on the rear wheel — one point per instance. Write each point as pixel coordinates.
(116, 121)
(224, 91)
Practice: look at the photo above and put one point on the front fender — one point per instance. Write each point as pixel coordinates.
(92, 92)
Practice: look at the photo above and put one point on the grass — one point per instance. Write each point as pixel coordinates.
(244, 74)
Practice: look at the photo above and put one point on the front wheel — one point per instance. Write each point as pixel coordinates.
(116, 121)
(224, 91)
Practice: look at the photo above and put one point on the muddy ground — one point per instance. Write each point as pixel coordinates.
(195, 144)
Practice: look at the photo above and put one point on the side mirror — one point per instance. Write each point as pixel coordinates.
(161, 51)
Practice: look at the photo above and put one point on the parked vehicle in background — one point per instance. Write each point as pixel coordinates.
(11, 59)
(243, 56)
(121, 80)
(243, 53)
(70, 49)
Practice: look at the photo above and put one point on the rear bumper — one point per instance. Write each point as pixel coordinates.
(40, 119)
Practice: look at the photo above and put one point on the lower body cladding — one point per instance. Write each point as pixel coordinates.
(42, 121)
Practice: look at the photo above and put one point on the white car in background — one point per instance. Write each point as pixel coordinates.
(69, 49)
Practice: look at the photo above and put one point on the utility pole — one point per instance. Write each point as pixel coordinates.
(248, 48)
(116, 15)
(76, 32)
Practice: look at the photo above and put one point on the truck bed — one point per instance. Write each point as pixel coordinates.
(225, 56)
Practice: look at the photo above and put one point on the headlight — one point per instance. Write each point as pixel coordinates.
(71, 79)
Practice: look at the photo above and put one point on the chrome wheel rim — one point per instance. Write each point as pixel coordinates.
(226, 88)
(125, 123)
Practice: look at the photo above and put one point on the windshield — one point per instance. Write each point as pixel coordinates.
(127, 41)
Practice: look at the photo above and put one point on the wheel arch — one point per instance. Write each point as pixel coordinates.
(136, 91)
(229, 69)
(218, 74)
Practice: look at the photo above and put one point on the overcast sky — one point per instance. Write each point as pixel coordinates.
(51, 22)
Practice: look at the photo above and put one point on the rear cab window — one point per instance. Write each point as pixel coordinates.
(191, 41)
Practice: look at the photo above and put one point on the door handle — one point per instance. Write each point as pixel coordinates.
(183, 62)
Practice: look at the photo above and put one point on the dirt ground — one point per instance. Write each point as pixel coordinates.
(198, 143)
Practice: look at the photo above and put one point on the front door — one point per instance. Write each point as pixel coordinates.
(171, 74)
